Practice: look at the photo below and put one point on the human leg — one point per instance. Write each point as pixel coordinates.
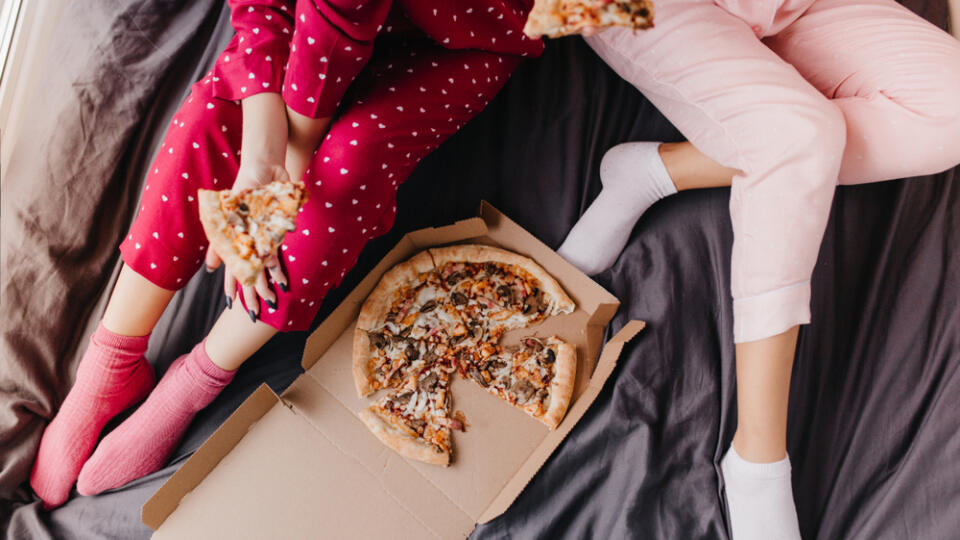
(754, 116)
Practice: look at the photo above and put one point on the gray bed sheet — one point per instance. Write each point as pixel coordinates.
(873, 423)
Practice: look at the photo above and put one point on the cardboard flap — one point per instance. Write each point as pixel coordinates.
(310, 464)
(189, 476)
(611, 351)
(605, 364)
(435, 236)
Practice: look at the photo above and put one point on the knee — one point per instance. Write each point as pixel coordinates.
(350, 174)
(808, 139)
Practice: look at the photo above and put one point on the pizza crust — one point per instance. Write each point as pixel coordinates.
(544, 19)
(476, 253)
(220, 235)
(401, 442)
(377, 305)
(561, 387)
(362, 376)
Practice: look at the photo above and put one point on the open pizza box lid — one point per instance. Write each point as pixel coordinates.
(303, 465)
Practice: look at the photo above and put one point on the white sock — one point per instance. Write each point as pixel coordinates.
(759, 499)
(633, 177)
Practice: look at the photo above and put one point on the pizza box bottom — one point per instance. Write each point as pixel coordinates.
(303, 465)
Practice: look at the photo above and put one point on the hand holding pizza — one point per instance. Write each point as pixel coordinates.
(249, 176)
(227, 220)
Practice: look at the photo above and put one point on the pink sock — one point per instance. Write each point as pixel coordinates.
(112, 375)
(144, 442)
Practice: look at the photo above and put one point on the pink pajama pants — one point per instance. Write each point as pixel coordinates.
(848, 92)
(402, 106)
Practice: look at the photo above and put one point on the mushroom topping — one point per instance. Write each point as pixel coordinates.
(530, 304)
(459, 298)
(505, 294)
(551, 356)
(429, 306)
(476, 330)
(430, 357)
(417, 425)
(490, 268)
(475, 373)
(495, 365)
(403, 398)
(428, 383)
(378, 339)
(523, 390)
(454, 278)
(412, 352)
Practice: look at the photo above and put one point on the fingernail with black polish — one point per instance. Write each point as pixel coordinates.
(229, 302)
(253, 316)
(272, 305)
(283, 286)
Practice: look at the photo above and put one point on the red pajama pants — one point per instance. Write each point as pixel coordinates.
(403, 104)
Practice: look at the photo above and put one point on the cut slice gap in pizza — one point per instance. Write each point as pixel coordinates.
(245, 228)
(415, 419)
(536, 376)
(447, 309)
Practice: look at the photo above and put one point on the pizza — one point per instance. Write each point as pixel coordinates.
(444, 312)
(246, 227)
(556, 18)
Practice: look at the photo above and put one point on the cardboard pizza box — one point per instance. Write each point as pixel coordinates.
(302, 464)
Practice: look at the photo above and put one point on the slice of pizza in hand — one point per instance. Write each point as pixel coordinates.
(246, 227)
(557, 18)
(536, 376)
(414, 420)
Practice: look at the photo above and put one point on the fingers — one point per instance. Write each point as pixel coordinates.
(211, 260)
(588, 31)
(281, 174)
(229, 287)
(251, 300)
(276, 273)
(263, 289)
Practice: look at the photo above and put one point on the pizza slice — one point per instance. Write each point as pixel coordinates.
(414, 420)
(498, 288)
(246, 227)
(556, 18)
(536, 376)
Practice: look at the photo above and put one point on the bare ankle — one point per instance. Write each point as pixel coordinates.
(759, 449)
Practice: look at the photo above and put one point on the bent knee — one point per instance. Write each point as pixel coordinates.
(808, 138)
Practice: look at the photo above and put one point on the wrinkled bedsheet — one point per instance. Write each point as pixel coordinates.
(874, 430)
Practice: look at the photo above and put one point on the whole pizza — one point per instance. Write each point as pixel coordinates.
(442, 314)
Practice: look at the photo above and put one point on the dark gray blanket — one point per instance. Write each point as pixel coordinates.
(873, 421)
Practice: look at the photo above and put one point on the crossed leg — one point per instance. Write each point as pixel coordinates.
(762, 130)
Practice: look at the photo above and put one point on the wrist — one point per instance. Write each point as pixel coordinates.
(264, 135)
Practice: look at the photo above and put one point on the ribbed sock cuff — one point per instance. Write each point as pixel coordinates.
(106, 338)
(208, 373)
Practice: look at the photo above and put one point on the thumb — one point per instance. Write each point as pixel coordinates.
(212, 260)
